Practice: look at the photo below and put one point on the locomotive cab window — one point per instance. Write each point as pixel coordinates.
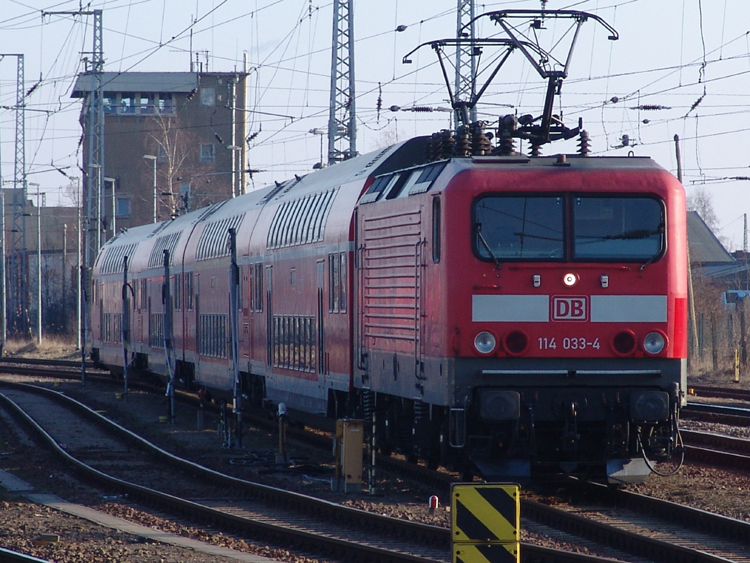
(519, 228)
(617, 228)
(577, 227)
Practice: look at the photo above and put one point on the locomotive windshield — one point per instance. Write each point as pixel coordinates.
(519, 227)
(599, 228)
(617, 228)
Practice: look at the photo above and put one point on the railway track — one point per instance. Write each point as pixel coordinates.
(116, 459)
(605, 525)
(720, 392)
(255, 511)
(8, 556)
(36, 367)
(647, 527)
(717, 450)
(721, 414)
(641, 527)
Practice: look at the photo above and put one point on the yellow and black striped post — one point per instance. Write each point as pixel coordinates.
(485, 523)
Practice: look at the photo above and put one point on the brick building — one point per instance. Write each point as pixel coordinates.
(187, 127)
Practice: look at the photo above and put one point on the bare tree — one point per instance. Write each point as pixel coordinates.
(175, 150)
(701, 203)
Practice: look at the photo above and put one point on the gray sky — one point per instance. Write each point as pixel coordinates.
(688, 58)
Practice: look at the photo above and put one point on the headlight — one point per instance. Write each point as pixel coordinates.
(654, 343)
(485, 342)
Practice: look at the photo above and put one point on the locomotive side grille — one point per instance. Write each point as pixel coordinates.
(391, 268)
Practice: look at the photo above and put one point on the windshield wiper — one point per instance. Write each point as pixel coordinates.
(649, 261)
(487, 246)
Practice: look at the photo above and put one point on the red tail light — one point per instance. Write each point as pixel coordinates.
(516, 342)
(624, 343)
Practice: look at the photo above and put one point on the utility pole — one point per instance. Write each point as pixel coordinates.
(465, 86)
(691, 293)
(342, 127)
(18, 260)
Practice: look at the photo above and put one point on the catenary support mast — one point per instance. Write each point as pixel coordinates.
(465, 86)
(18, 295)
(93, 168)
(342, 130)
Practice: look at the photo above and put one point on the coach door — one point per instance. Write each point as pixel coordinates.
(320, 332)
(197, 317)
(270, 345)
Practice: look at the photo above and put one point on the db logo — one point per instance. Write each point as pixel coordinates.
(570, 308)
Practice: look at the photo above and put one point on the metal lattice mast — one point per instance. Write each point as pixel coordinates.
(465, 63)
(95, 158)
(18, 295)
(342, 129)
(94, 165)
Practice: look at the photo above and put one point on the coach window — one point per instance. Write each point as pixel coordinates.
(519, 227)
(342, 282)
(256, 287)
(189, 291)
(436, 230)
(617, 228)
(243, 284)
(177, 292)
(144, 293)
(333, 283)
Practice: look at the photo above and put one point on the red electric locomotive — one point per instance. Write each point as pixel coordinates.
(513, 315)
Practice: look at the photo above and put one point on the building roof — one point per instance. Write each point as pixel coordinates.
(174, 82)
(705, 248)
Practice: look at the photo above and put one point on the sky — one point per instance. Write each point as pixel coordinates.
(679, 67)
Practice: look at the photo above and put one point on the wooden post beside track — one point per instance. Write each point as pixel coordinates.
(736, 365)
